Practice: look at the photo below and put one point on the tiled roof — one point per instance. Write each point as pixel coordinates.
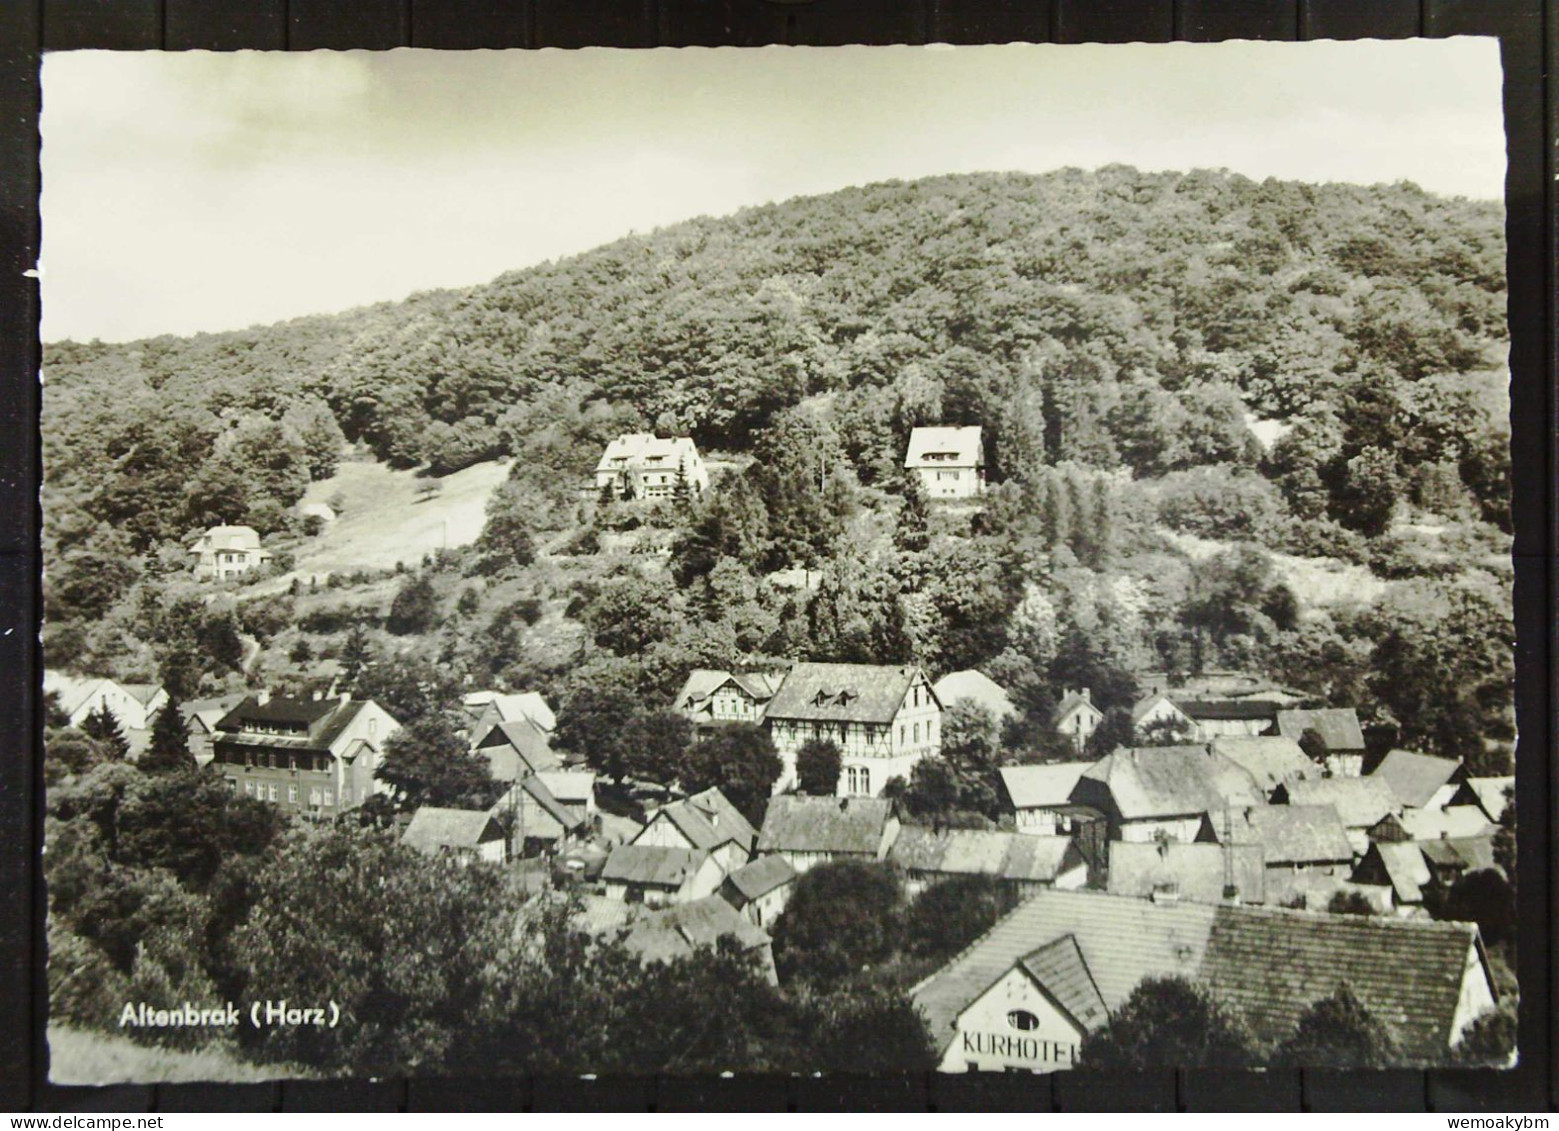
(1338, 727)
(278, 709)
(844, 825)
(527, 744)
(1048, 786)
(1271, 759)
(651, 865)
(1194, 872)
(636, 449)
(1169, 781)
(571, 787)
(868, 693)
(1272, 965)
(1075, 701)
(1233, 709)
(970, 684)
(1059, 967)
(432, 828)
(709, 820)
(1360, 802)
(1123, 941)
(760, 877)
(1291, 834)
(325, 719)
(229, 538)
(1140, 709)
(1405, 868)
(1415, 778)
(568, 819)
(675, 932)
(1007, 856)
(962, 443)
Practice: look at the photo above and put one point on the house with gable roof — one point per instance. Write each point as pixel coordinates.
(682, 929)
(656, 875)
(227, 552)
(538, 819)
(1023, 996)
(704, 822)
(135, 705)
(516, 749)
(710, 697)
(814, 830)
(760, 889)
(1339, 731)
(1361, 803)
(306, 755)
(1040, 797)
(641, 465)
(1271, 759)
(486, 709)
(1021, 864)
(949, 460)
(461, 836)
(884, 719)
(1077, 717)
(1163, 792)
(1422, 781)
(978, 687)
(1199, 872)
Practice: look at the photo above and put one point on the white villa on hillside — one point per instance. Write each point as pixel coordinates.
(883, 719)
(949, 461)
(646, 466)
(225, 552)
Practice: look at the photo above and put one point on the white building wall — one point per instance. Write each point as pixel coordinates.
(1476, 997)
(1182, 829)
(985, 1040)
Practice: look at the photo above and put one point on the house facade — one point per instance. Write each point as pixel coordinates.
(659, 877)
(710, 697)
(305, 755)
(761, 889)
(227, 552)
(1163, 792)
(135, 705)
(949, 461)
(461, 836)
(808, 831)
(705, 822)
(641, 465)
(1077, 717)
(883, 719)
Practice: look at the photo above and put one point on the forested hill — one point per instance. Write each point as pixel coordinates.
(1107, 299)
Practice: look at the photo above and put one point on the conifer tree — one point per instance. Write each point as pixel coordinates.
(103, 725)
(680, 491)
(356, 655)
(913, 533)
(169, 746)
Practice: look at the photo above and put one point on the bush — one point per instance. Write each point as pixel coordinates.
(951, 914)
(1219, 502)
(843, 916)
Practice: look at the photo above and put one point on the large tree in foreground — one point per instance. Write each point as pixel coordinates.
(741, 760)
(1339, 1032)
(426, 762)
(842, 917)
(1169, 1023)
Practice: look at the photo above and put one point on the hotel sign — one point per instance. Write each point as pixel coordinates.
(1037, 1051)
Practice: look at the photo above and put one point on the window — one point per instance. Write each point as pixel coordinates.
(292, 761)
(901, 734)
(346, 795)
(858, 780)
(271, 792)
(1023, 1020)
(248, 789)
(330, 798)
(233, 782)
(373, 727)
(292, 795)
(314, 796)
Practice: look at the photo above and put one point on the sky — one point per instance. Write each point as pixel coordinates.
(196, 191)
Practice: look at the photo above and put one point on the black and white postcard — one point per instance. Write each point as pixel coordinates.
(778, 561)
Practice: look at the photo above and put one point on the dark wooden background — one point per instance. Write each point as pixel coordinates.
(1529, 34)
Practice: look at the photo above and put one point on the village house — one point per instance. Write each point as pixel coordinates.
(1024, 995)
(1040, 797)
(1495, 794)
(305, 755)
(814, 830)
(639, 465)
(1340, 734)
(656, 876)
(1402, 873)
(1293, 838)
(1464, 822)
(538, 821)
(1156, 713)
(1270, 759)
(1077, 717)
(680, 930)
(710, 698)
(226, 552)
(883, 719)
(516, 749)
(1198, 872)
(459, 835)
(1361, 803)
(760, 889)
(135, 705)
(1162, 792)
(949, 461)
(1230, 717)
(978, 687)
(486, 709)
(1022, 864)
(200, 722)
(704, 822)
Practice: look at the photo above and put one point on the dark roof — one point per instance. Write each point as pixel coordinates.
(432, 828)
(867, 693)
(709, 820)
(845, 825)
(1170, 781)
(324, 719)
(1360, 802)
(1192, 871)
(1338, 727)
(651, 865)
(1062, 973)
(758, 878)
(1270, 758)
(1233, 709)
(1007, 856)
(1415, 778)
(1272, 965)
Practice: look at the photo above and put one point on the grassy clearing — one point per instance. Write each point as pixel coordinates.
(79, 1057)
(1318, 582)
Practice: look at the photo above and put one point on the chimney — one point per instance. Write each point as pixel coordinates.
(346, 697)
(1087, 695)
(263, 696)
